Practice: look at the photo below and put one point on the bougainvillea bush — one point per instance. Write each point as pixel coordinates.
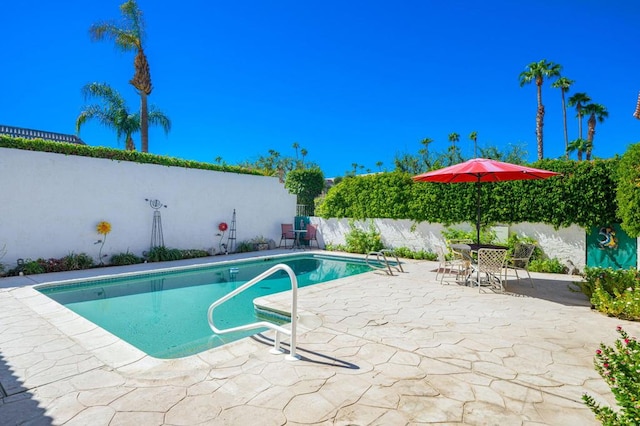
(619, 366)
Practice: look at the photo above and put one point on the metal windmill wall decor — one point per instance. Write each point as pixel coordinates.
(157, 239)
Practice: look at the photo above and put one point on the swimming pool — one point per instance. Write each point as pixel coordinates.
(164, 314)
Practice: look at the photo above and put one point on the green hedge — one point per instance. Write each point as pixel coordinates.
(114, 154)
(584, 195)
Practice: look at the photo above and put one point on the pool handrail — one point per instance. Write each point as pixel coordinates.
(384, 261)
(260, 324)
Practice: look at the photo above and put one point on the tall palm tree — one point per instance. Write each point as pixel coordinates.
(425, 151)
(636, 113)
(129, 36)
(579, 100)
(538, 71)
(580, 145)
(295, 146)
(563, 83)
(454, 151)
(596, 112)
(474, 138)
(113, 113)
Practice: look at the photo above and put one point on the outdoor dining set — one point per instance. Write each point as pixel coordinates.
(482, 265)
(301, 237)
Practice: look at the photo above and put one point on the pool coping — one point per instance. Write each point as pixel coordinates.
(104, 343)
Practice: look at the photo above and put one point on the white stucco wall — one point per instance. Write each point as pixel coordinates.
(566, 244)
(51, 204)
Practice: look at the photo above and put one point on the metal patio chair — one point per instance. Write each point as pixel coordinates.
(311, 235)
(488, 268)
(519, 260)
(287, 234)
(450, 265)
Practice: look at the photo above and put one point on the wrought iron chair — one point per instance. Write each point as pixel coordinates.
(488, 268)
(519, 260)
(311, 235)
(287, 234)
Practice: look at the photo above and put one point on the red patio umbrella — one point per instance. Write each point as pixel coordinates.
(483, 170)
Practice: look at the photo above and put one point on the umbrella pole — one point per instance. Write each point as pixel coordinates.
(478, 213)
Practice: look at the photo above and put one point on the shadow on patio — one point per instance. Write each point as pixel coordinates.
(17, 405)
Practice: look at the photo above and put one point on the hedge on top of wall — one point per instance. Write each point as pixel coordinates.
(115, 154)
(583, 195)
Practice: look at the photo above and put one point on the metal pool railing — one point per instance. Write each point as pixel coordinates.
(382, 263)
(261, 324)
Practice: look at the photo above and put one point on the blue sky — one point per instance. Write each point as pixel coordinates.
(350, 81)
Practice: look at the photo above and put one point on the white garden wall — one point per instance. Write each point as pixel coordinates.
(51, 204)
(566, 244)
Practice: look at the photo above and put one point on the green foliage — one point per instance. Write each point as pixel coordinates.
(245, 247)
(126, 258)
(383, 195)
(487, 236)
(613, 292)
(163, 254)
(114, 154)
(75, 262)
(553, 266)
(619, 366)
(307, 184)
(359, 241)
(193, 253)
(628, 190)
(581, 196)
(32, 267)
(407, 253)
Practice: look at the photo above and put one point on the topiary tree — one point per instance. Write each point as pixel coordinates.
(307, 184)
(628, 190)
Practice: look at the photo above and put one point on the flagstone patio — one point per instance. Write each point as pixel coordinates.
(375, 350)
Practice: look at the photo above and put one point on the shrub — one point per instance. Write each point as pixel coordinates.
(163, 254)
(193, 253)
(359, 241)
(245, 246)
(619, 366)
(407, 253)
(334, 247)
(32, 267)
(613, 292)
(75, 262)
(126, 258)
(553, 266)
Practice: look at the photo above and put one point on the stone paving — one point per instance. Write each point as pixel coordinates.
(375, 350)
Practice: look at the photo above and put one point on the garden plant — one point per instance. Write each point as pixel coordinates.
(619, 366)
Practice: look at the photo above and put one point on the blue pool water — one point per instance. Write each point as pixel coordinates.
(165, 314)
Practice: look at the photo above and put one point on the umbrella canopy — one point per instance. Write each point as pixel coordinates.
(480, 170)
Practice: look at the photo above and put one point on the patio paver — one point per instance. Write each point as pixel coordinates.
(376, 350)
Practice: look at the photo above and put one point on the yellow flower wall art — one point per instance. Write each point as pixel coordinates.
(103, 228)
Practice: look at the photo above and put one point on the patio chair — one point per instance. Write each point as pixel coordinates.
(519, 260)
(311, 235)
(488, 268)
(287, 234)
(457, 267)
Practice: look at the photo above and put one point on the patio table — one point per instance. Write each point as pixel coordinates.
(296, 243)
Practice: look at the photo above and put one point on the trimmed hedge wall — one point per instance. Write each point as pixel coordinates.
(584, 195)
(115, 154)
